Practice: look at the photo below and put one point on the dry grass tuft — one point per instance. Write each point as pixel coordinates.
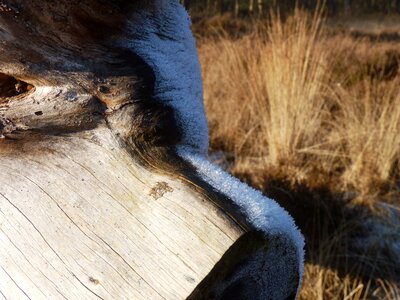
(271, 86)
(369, 126)
(294, 71)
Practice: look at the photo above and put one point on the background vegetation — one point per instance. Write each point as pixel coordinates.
(305, 105)
(260, 7)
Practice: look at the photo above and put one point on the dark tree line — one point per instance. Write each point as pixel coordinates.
(334, 7)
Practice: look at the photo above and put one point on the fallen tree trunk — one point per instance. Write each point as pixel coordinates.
(106, 191)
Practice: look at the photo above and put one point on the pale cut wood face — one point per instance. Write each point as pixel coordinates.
(79, 218)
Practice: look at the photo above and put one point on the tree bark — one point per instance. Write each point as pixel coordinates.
(98, 198)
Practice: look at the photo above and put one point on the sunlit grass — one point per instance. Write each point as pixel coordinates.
(289, 101)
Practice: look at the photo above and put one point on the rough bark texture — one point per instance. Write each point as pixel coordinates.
(94, 201)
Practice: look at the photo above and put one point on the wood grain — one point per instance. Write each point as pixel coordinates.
(78, 221)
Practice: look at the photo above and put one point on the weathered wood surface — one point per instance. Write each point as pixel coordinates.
(81, 219)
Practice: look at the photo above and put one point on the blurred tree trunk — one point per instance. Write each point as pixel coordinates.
(347, 6)
(236, 8)
(251, 6)
(332, 7)
(217, 6)
(260, 6)
(208, 6)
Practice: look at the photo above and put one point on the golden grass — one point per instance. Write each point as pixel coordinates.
(271, 88)
(290, 97)
(324, 283)
(291, 102)
(369, 125)
(294, 75)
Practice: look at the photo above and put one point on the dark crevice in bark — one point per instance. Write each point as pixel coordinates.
(11, 87)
